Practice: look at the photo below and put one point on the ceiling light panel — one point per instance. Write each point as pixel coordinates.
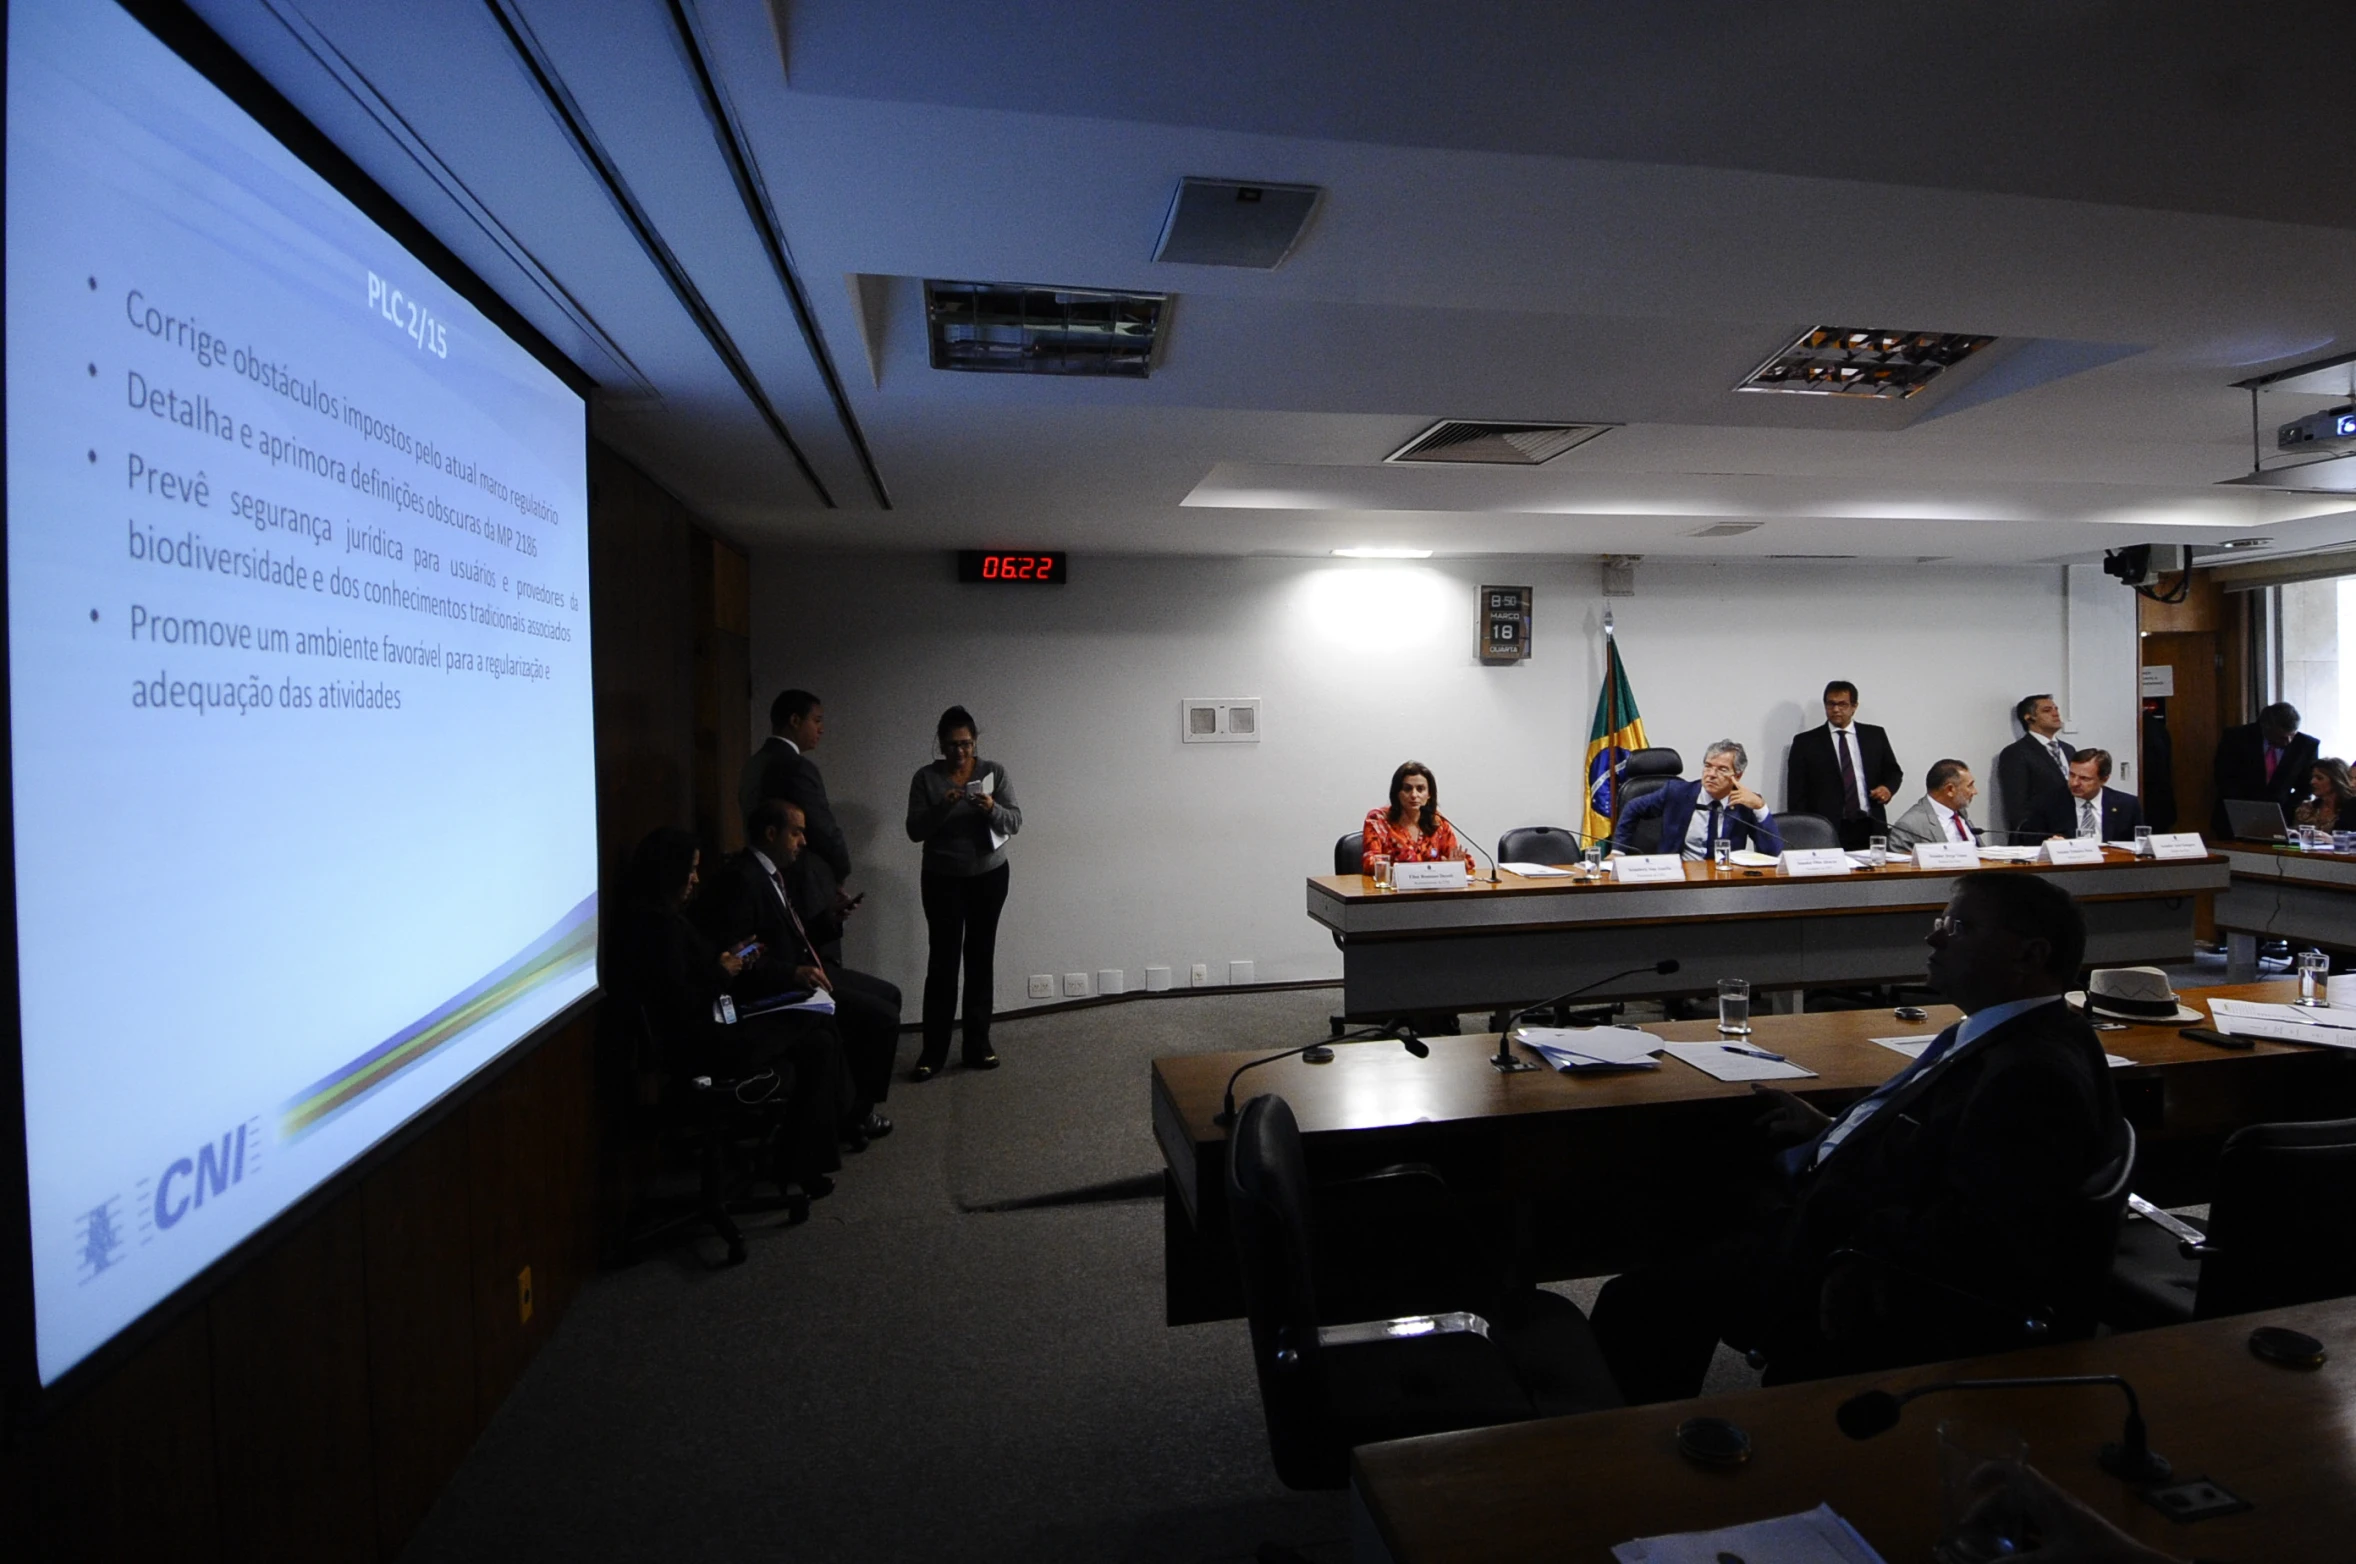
(1022, 329)
(1495, 445)
(1862, 362)
(1229, 222)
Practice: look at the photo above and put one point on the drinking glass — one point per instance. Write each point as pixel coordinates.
(2143, 841)
(1734, 1006)
(1594, 859)
(1981, 1514)
(1721, 850)
(2314, 965)
(1877, 850)
(1380, 871)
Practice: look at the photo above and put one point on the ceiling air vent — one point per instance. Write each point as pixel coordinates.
(1863, 362)
(1497, 445)
(1727, 529)
(1228, 222)
(1009, 328)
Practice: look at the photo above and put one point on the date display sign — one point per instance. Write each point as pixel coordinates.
(1037, 567)
(1505, 623)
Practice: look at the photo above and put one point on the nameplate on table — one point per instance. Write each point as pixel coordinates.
(1815, 860)
(1449, 876)
(1648, 868)
(2067, 849)
(1946, 855)
(2178, 844)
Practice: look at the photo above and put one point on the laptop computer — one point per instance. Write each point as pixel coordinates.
(2256, 820)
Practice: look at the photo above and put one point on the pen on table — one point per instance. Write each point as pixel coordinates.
(1756, 1053)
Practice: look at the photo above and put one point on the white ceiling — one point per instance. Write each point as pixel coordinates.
(1535, 211)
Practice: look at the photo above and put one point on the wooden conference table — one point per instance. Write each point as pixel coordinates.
(2279, 892)
(1573, 1488)
(1523, 940)
(1599, 1171)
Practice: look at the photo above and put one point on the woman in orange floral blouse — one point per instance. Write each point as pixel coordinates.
(1412, 829)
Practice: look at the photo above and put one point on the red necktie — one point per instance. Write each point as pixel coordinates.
(1851, 801)
(1961, 834)
(2273, 759)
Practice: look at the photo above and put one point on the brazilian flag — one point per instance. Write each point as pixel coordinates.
(1617, 730)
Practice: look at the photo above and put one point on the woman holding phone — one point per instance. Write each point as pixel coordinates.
(962, 808)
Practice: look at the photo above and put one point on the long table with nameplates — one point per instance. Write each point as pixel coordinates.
(2283, 892)
(1574, 1488)
(1598, 1171)
(1518, 940)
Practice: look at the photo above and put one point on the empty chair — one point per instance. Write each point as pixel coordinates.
(1349, 856)
(1807, 831)
(1326, 1389)
(1647, 771)
(1538, 844)
(2281, 1230)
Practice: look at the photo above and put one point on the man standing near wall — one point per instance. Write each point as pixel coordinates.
(782, 768)
(1844, 770)
(2033, 773)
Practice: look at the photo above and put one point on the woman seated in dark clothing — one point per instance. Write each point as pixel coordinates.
(2332, 801)
(675, 975)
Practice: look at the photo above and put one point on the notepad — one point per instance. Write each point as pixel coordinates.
(1720, 1060)
(2328, 1027)
(2010, 854)
(1751, 860)
(1539, 871)
(1575, 1048)
(1817, 1536)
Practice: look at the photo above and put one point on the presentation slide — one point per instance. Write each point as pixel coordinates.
(299, 679)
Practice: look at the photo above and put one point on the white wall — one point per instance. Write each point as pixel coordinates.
(1138, 849)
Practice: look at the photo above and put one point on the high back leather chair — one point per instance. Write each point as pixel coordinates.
(1326, 1389)
(1807, 831)
(2281, 1230)
(1647, 771)
(1349, 854)
(1538, 844)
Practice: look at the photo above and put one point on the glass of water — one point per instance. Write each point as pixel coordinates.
(1594, 857)
(1379, 870)
(2143, 841)
(1877, 850)
(2314, 966)
(1720, 851)
(1734, 1006)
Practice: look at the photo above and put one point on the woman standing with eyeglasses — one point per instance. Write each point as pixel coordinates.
(962, 809)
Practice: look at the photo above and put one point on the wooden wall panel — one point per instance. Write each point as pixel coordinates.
(127, 1471)
(291, 1438)
(723, 691)
(421, 1375)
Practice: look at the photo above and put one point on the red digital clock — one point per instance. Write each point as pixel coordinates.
(1043, 567)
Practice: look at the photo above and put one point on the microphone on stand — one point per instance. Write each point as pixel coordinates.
(1476, 847)
(1504, 1061)
(2130, 1458)
(1404, 1033)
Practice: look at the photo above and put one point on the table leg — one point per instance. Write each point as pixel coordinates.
(2241, 957)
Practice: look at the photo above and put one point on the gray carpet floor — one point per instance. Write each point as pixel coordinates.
(913, 1375)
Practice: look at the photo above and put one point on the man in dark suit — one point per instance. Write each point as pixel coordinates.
(782, 768)
(2268, 761)
(1932, 1217)
(2102, 814)
(748, 897)
(1694, 814)
(2034, 770)
(1844, 770)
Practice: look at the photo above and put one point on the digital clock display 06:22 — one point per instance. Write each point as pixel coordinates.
(1044, 567)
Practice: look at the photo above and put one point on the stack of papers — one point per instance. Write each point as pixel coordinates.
(1751, 860)
(2330, 1027)
(1538, 871)
(1732, 1062)
(2009, 854)
(1815, 1536)
(1912, 1048)
(1571, 1048)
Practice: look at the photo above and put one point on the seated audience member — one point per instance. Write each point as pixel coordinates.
(1412, 829)
(1938, 816)
(749, 896)
(1929, 1218)
(1843, 770)
(2266, 762)
(2092, 811)
(2034, 769)
(2332, 798)
(674, 973)
(1695, 814)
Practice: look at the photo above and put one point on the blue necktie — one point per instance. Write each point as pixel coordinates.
(1713, 836)
(1796, 1160)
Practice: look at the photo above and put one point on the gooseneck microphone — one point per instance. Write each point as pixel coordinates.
(1404, 1033)
(1476, 847)
(1505, 1062)
(2130, 1458)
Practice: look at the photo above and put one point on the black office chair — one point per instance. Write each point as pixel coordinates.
(1807, 831)
(1326, 1389)
(2281, 1230)
(1645, 836)
(1647, 771)
(1349, 857)
(1538, 844)
(727, 1125)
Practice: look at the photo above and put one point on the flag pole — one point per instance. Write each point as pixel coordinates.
(1611, 700)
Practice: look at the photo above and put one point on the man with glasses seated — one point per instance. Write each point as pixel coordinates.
(1695, 814)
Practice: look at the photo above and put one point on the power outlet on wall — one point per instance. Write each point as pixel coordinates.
(1075, 985)
(1042, 985)
(1199, 974)
(1111, 980)
(1239, 972)
(1157, 979)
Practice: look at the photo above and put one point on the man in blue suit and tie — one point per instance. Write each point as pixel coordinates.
(1694, 814)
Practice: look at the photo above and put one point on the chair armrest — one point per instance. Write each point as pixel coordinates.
(1406, 1327)
(2167, 1222)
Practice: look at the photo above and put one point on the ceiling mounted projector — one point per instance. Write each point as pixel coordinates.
(2335, 427)
(2145, 563)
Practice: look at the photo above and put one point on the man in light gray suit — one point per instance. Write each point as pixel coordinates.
(1938, 816)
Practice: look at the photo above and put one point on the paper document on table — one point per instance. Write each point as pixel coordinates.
(2009, 854)
(2327, 1027)
(1538, 871)
(1817, 1536)
(1569, 1048)
(1728, 1062)
(1912, 1048)
(1750, 860)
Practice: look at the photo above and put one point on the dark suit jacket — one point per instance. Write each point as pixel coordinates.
(2121, 814)
(2240, 771)
(740, 900)
(1675, 805)
(2027, 777)
(778, 770)
(1812, 779)
(1971, 1176)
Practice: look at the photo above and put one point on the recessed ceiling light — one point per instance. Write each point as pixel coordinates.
(1383, 553)
(1875, 363)
(1013, 328)
(1727, 529)
(1494, 444)
(2243, 543)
